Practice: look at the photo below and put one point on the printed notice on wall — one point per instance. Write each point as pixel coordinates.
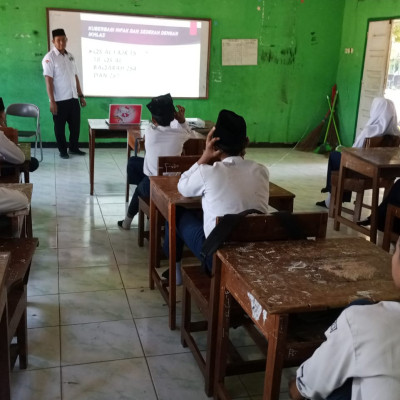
(239, 51)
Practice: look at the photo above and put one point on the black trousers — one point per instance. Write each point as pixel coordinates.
(68, 111)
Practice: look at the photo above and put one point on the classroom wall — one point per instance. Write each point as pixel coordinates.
(355, 24)
(282, 98)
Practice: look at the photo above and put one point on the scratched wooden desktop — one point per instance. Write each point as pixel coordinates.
(164, 198)
(273, 280)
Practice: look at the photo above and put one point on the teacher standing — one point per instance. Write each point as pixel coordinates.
(65, 93)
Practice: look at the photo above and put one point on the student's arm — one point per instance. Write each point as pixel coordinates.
(191, 182)
(12, 200)
(330, 365)
(9, 151)
(210, 154)
(50, 93)
(82, 100)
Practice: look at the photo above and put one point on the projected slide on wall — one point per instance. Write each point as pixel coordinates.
(136, 56)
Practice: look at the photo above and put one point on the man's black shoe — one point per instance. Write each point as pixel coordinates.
(77, 152)
(64, 155)
(321, 204)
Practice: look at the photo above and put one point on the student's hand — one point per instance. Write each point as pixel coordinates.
(53, 107)
(293, 391)
(82, 101)
(210, 154)
(180, 114)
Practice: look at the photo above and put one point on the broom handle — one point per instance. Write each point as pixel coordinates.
(330, 115)
(332, 109)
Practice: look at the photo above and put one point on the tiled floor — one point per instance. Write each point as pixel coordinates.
(96, 331)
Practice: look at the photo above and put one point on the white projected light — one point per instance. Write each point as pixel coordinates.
(136, 56)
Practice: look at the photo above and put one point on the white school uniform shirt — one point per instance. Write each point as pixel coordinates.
(165, 141)
(227, 187)
(9, 151)
(62, 69)
(362, 344)
(382, 121)
(12, 200)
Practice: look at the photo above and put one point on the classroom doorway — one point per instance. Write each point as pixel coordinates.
(381, 73)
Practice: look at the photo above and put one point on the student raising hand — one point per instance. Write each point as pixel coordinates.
(180, 114)
(210, 153)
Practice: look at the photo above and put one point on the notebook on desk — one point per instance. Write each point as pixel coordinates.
(124, 114)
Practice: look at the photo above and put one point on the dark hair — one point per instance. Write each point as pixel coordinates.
(231, 150)
(163, 120)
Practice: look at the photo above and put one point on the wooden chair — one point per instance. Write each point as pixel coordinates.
(194, 147)
(389, 235)
(359, 183)
(16, 280)
(202, 290)
(166, 164)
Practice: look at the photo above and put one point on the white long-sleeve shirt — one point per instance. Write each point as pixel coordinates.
(9, 151)
(227, 187)
(165, 141)
(362, 344)
(12, 200)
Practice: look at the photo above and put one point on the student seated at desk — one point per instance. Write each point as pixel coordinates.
(9, 151)
(227, 183)
(360, 358)
(393, 197)
(164, 137)
(382, 121)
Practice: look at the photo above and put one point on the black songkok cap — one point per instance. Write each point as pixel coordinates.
(58, 32)
(231, 131)
(2, 108)
(161, 105)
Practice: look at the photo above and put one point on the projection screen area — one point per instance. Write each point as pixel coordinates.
(121, 55)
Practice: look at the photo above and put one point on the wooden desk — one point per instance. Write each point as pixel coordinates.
(5, 392)
(164, 198)
(17, 274)
(99, 129)
(374, 163)
(294, 277)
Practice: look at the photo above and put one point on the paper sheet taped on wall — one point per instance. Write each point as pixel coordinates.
(239, 51)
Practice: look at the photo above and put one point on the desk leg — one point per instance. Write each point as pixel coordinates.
(374, 208)
(275, 357)
(172, 266)
(153, 243)
(339, 196)
(222, 339)
(5, 391)
(128, 155)
(92, 140)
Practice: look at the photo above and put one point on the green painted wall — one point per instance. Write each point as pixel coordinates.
(281, 98)
(355, 24)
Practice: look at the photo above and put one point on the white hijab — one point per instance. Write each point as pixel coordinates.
(382, 121)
